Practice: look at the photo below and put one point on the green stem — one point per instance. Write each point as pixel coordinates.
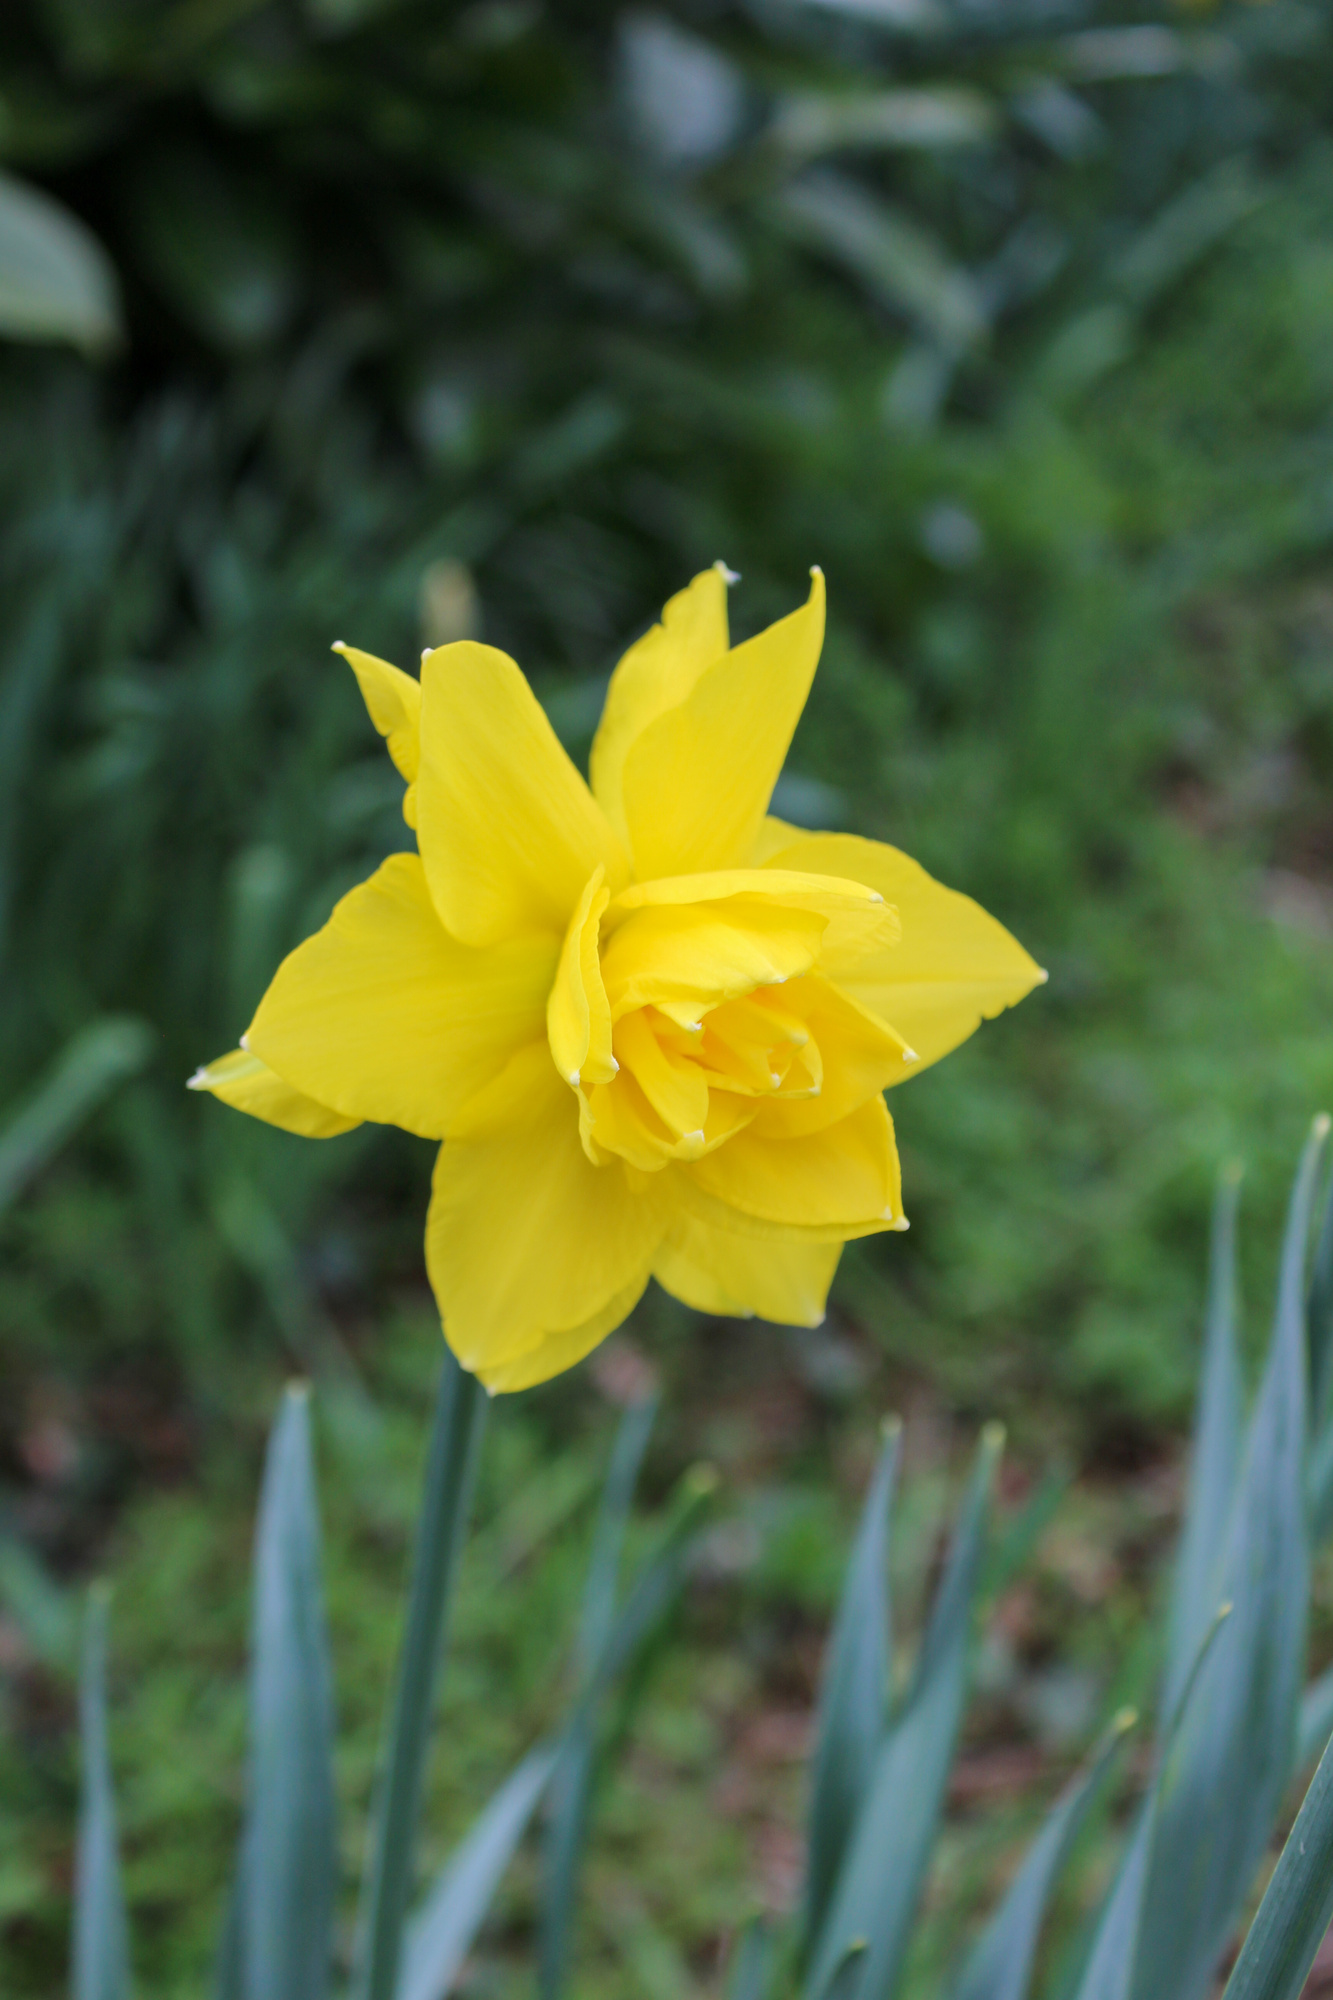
(451, 1466)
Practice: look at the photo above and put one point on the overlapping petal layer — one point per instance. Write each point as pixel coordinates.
(247, 1084)
(652, 1026)
(509, 831)
(954, 967)
(526, 1240)
(737, 1277)
(384, 1016)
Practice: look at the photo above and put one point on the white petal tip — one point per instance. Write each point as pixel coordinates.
(900, 1225)
(875, 896)
(1042, 975)
(245, 1043)
(774, 1078)
(199, 1081)
(338, 646)
(573, 1079)
(815, 570)
(727, 575)
(615, 1066)
(910, 1055)
(426, 652)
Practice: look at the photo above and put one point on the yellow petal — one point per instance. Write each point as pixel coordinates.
(393, 702)
(860, 1055)
(701, 954)
(843, 1178)
(656, 674)
(509, 831)
(563, 1350)
(526, 1239)
(740, 1277)
(955, 966)
(697, 781)
(383, 1015)
(247, 1084)
(578, 1018)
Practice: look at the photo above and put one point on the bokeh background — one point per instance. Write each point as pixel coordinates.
(400, 321)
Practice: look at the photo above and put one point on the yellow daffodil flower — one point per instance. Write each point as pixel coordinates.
(651, 1025)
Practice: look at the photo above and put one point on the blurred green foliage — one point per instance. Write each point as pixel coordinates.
(509, 318)
(444, 318)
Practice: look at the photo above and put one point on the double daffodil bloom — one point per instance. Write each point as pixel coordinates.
(651, 1025)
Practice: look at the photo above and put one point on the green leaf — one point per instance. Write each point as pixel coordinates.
(881, 1876)
(1291, 1920)
(101, 1933)
(1110, 1962)
(289, 1849)
(1217, 1444)
(460, 1409)
(1000, 1967)
(1223, 1780)
(1316, 1720)
(572, 1781)
(1319, 1319)
(752, 1963)
(98, 1059)
(441, 1933)
(854, 1693)
(56, 280)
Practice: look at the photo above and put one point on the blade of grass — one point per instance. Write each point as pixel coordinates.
(1217, 1447)
(450, 1471)
(1290, 1922)
(440, 1935)
(1319, 1320)
(289, 1848)
(572, 1780)
(881, 1876)
(1000, 1967)
(1224, 1780)
(101, 1969)
(853, 1695)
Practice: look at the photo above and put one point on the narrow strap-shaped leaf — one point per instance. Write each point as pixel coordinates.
(1319, 1320)
(880, 1880)
(752, 1963)
(289, 1847)
(441, 1933)
(571, 1784)
(854, 1692)
(1290, 1922)
(450, 1472)
(1216, 1457)
(1109, 1966)
(460, 1889)
(1316, 1720)
(1223, 1783)
(101, 1969)
(228, 1966)
(1000, 1967)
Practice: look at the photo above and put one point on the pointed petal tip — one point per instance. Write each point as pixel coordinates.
(910, 1055)
(728, 575)
(199, 1081)
(815, 570)
(1042, 975)
(245, 1041)
(573, 1079)
(896, 1223)
(338, 646)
